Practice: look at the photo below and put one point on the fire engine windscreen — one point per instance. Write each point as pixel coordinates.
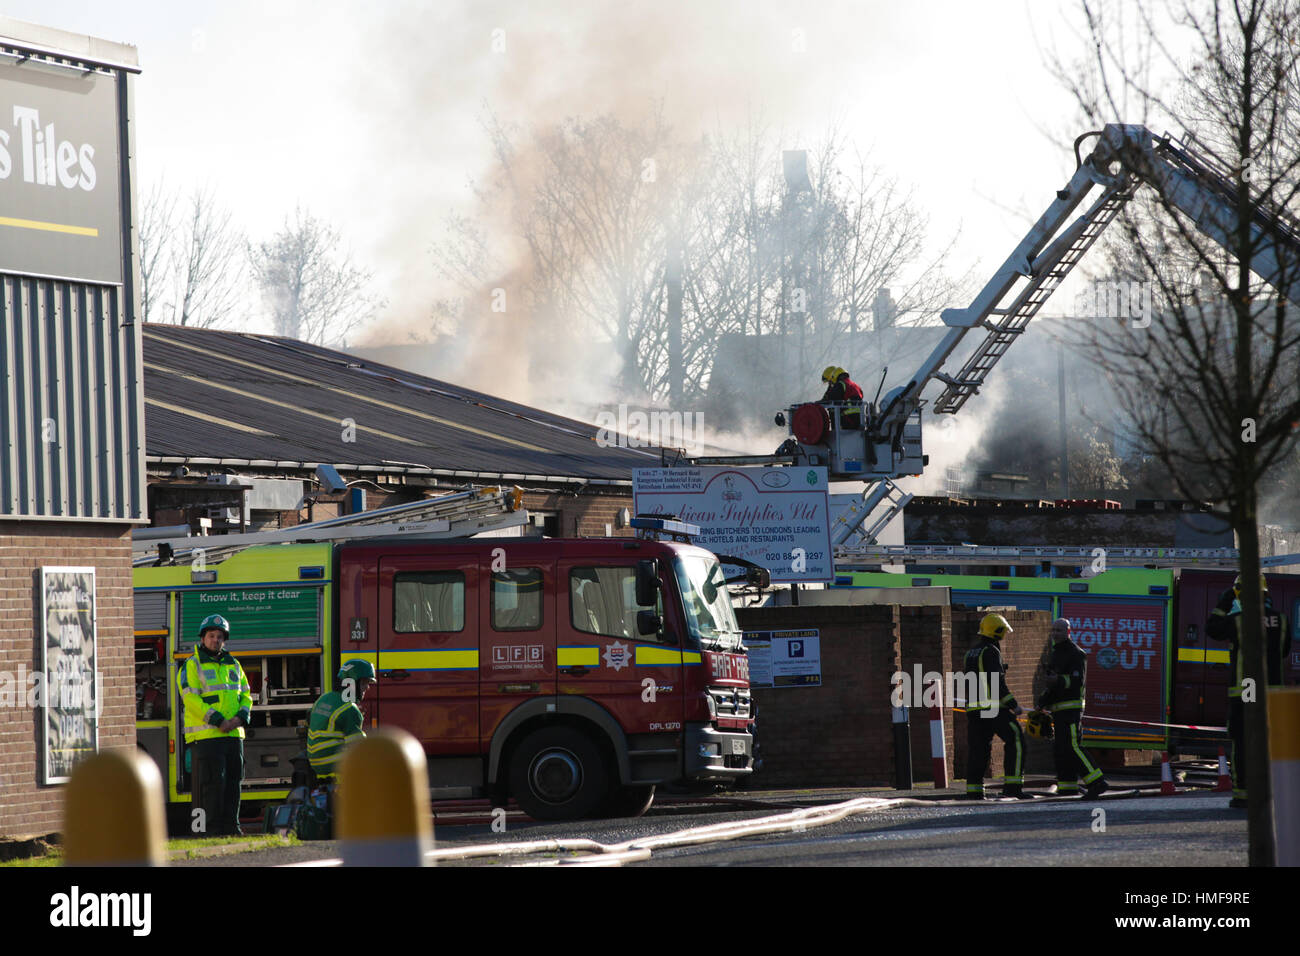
(709, 616)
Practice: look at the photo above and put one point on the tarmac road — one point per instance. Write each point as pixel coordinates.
(1190, 829)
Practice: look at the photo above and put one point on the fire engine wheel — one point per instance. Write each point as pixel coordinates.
(557, 773)
(625, 801)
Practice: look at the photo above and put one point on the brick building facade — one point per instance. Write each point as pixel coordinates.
(840, 733)
(27, 806)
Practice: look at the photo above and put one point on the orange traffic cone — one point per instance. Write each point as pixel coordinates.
(1166, 778)
(1225, 782)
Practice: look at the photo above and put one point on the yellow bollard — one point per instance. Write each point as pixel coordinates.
(384, 817)
(113, 814)
(1284, 765)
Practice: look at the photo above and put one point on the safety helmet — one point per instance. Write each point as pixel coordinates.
(217, 621)
(994, 626)
(1263, 583)
(830, 373)
(357, 670)
(1039, 724)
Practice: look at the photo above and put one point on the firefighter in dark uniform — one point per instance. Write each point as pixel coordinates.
(1225, 625)
(985, 661)
(1068, 666)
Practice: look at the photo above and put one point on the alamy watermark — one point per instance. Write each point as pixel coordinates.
(952, 689)
(71, 691)
(1115, 300)
(660, 429)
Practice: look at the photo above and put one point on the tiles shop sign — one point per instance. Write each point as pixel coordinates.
(68, 691)
(60, 212)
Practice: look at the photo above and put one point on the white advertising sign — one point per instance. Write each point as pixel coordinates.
(774, 517)
(784, 658)
(69, 693)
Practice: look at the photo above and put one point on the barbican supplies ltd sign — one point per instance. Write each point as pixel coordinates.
(1125, 644)
(774, 517)
(60, 209)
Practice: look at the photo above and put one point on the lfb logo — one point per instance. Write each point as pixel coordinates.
(617, 655)
(795, 649)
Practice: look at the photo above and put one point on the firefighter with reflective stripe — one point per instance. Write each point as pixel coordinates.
(1225, 624)
(218, 706)
(336, 719)
(840, 388)
(993, 712)
(1068, 666)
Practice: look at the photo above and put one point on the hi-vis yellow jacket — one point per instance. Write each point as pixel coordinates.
(213, 689)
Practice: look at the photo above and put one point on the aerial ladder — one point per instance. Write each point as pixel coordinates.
(958, 555)
(456, 515)
(887, 445)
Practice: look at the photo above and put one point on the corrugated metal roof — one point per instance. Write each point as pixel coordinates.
(240, 397)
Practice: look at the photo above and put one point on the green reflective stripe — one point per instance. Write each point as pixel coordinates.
(1007, 698)
(338, 711)
(1067, 705)
(1062, 787)
(1066, 678)
(1013, 779)
(974, 788)
(1092, 773)
(1019, 765)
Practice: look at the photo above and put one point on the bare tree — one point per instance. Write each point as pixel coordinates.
(157, 229)
(211, 270)
(1211, 387)
(191, 260)
(313, 289)
(611, 214)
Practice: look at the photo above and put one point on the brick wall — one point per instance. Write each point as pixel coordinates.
(583, 515)
(926, 642)
(838, 734)
(28, 808)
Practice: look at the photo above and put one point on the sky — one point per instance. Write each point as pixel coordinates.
(369, 115)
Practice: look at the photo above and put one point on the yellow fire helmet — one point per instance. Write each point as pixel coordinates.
(1263, 583)
(830, 373)
(994, 626)
(1039, 724)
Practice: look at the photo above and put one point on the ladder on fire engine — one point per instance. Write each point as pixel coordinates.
(1045, 275)
(849, 521)
(936, 554)
(456, 515)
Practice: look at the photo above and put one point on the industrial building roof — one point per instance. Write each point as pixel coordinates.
(260, 401)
